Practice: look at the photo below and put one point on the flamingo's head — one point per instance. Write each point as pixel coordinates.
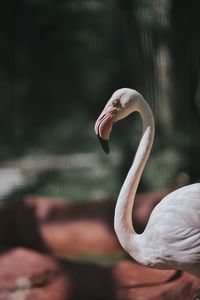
(121, 104)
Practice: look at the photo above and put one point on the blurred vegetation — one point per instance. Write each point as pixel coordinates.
(60, 61)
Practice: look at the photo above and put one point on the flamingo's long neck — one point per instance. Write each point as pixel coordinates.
(123, 211)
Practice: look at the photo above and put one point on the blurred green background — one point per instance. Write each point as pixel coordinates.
(60, 61)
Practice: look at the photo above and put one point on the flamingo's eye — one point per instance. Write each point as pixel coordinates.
(116, 103)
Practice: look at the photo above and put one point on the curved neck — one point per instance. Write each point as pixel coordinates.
(123, 211)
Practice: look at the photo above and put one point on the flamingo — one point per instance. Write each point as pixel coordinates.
(171, 239)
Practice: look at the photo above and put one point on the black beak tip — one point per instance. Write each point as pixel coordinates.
(104, 144)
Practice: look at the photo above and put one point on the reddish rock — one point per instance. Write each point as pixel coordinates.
(64, 227)
(75, 229)
(136, 282)
(26, 274)
(82, 237)
(78, 229)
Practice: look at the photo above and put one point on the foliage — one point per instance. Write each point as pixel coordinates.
(61, 60)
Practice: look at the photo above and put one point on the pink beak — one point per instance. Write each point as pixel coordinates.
(103, 126)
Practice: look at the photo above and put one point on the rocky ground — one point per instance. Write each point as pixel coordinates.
(56, 250)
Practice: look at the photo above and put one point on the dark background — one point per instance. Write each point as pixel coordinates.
(60, 61)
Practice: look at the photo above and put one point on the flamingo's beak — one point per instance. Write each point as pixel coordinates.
(103, 126)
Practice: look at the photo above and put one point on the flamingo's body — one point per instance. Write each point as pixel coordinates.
(171, 239)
